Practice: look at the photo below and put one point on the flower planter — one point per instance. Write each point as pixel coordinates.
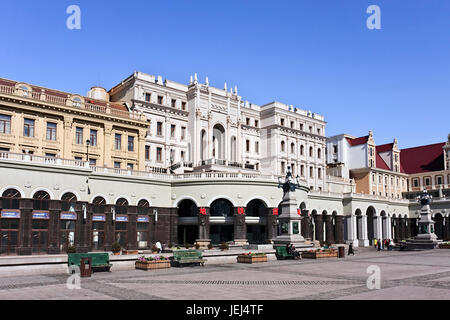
(152, 265)
(444, 246)
(129, 252)
(251, 259)
(319, 254)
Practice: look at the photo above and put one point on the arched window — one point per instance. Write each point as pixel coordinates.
(292, 147)
(122, 206)
(68, 202)
(10, 199)
(99, 205)
(143, 207)
(311, 152)
(283, 146)
(25, 91)
(319, 153)
(41, 200)
(302, 150)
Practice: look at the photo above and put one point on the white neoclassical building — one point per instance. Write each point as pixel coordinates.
(186, 162)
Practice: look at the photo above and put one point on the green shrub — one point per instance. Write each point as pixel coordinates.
(71, 249)
(116, 247)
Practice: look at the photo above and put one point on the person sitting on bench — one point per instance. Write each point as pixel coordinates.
(291, 250)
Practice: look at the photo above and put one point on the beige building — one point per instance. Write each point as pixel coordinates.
(54, 124)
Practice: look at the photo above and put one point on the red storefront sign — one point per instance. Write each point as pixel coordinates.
(241, 211)
(275, 211)
(299, 212)
(203, 211)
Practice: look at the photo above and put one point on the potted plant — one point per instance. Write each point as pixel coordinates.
(152, 263)
(197, 246)
(224, 246)
(252, 257)
(116, 248)
(187, 246)
(71, 249)
(210, 246)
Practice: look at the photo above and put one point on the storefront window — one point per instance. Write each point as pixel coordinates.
(41, 200)
(121, 233)
(10, 199)
(40, 236)
(67, 234)
(9, 235)
(68, 202)
(98, 235)
(99, 205)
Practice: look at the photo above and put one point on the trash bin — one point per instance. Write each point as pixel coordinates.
(86, 267)
(341, 252)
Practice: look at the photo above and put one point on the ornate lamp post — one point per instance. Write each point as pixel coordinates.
(289, 219)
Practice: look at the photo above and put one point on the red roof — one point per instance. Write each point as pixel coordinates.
(381, 164)
(385, 148)
(357, 141)
(423, 159)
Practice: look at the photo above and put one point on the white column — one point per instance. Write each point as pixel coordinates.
(377, 227)
(364, 241)
(389, 227)
(351, 230)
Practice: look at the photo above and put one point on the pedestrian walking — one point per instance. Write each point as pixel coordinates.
(375, 243)
(350, 249)
(159, 246)
(378, 245)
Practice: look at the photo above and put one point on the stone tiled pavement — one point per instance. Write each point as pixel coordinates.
(405, 275)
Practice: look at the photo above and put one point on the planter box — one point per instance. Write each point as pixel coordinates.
(444, 246)
(320, 255)
(152, 265)
(251, 259)
(129, 252)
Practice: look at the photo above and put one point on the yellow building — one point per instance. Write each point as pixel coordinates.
(50, 123)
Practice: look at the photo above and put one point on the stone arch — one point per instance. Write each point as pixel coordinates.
(100, 195)
(22, 194)
(222, 207)
(179, 200)
(222, 197)
(52, 196)
(219, 142)
(143, 198)
(256, 208)
(76, 194)
(264, 200)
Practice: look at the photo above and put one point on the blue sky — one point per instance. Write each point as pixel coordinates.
(314, 54)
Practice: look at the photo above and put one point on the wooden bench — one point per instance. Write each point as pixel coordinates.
(183, 257)
(100, 260)
(282, 254)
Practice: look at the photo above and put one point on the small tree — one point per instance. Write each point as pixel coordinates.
(224, 246)
(115, 248)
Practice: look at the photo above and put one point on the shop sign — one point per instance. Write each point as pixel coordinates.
(99, 217)
(275, 211)
(143, 219)
(121, 218)
(11, 214)
(44, 215)
(68, 216)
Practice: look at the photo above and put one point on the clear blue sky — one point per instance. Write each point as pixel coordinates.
(314, 54)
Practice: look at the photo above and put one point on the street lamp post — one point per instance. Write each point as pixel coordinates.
(289, 218)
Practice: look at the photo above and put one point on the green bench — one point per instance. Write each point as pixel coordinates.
(282, 254)
(100, 260)
(183, 257)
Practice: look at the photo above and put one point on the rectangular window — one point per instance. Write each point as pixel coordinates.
(302, 170)
(174, 103)
(5, 124)
(93, 162)
(79, 135)
(147, 152)
(118, 142)
(116, 165)
(183, 155)
(257, 147)
(148, 97)
(256, 123)
(247, 121)
(172, 131)
(247, 145)
(160, 100)
(50, 155)
(93, 138)
(51, 131)
(283, 168)
(130, 144)
(159, 154)
(292, 124)
(282, 122)
(318, 132)
(28, 128)
(183, 133)
(183, 106)
(130, 167)
(301, 126)
(159, 129)
(438, 180)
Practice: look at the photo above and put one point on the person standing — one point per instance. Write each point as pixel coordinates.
(159, 246)
(375, 243)
(379, 245)
(350, 249)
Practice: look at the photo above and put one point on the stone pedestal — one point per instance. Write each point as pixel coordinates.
(203, 243)
(426, 239)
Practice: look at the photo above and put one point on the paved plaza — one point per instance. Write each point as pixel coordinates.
(404, 275)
